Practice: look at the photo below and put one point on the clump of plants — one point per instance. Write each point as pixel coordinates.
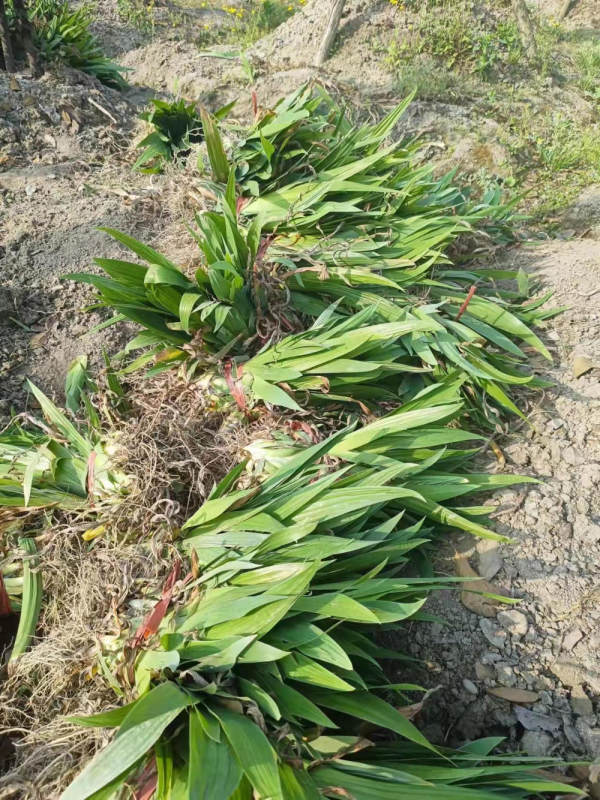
(62, 33)
(326, 309)
(323, 233)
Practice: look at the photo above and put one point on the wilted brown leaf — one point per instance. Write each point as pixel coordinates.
(514, 695)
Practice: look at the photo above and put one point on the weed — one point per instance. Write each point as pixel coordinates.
(587, 62)
(137, 13)
(176, 126)
(425, 77)
(548, 36)
(568, 146)
(248, 23)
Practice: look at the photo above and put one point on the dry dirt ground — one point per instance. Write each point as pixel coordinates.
(65, 170)
(549, 643)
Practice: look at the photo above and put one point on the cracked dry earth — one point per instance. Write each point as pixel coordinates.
(549, 643)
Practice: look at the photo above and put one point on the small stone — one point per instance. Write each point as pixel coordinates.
(490, 560)
(590, 737)
(537, 743)
(571, 639)
(564, 530)
(518, 454)
(483, 671)
(580, 702)
(567, 672)
(470, 686)
(505, 675)
(495, 635)
(585, 530)
(570, 455)
(515, 622)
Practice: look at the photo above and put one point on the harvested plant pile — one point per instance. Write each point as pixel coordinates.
(355, 372)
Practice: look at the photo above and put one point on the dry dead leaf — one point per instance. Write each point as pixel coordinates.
(498, 453)
(514, 695)
(14, 84)
(581, 365)
(477, 603)
(38, 339)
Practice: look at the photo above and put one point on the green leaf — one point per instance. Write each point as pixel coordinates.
(213, 771)
(304, 670)
(257, 758)
(140, 730)
(368, 707)
(75, 383)
(31, 602)
(214, 146)
(270, 393)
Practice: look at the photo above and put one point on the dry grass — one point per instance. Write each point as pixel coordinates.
(83, 589)
(175, 446)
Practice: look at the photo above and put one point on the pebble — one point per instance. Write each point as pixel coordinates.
(483, 671)
(505, 675)
(537, 743)
(495, 635)
(470, 686)
(580, 702)
(515, 622)
(490, 560)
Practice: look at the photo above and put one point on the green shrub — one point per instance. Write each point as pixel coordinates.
(377, 226)
(176, 125)
(256, 683)
(62, 33)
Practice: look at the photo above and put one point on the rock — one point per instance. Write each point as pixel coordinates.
(585, 530)
(581, 365)
(537, 743)
(505, 675)
(521, 696)
(571, 639)
(495, 635)
(515, 622)
(571, 735)
(518, 454)
(590, 737)
(581, 703)
(490, 560)
(568, 671)
(470, 686)
(534, 721)
(571, 455)
(585, 211)
(483, 671)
